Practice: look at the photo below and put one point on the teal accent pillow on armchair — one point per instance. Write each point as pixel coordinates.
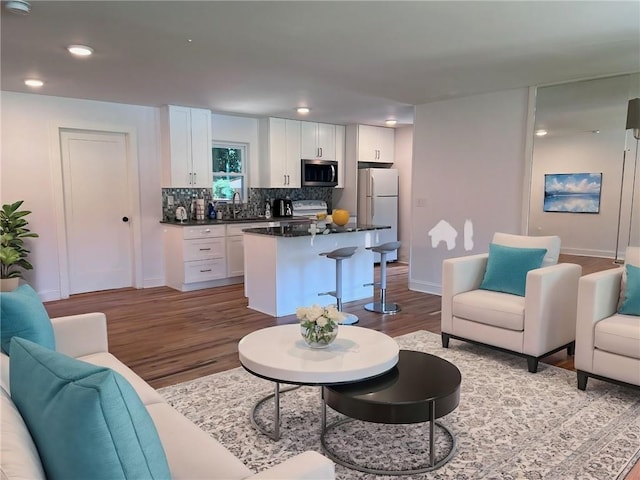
(507, 268)
(23, 315)
(86, 421)
(631, 302)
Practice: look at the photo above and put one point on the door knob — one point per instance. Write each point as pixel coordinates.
(125, 219)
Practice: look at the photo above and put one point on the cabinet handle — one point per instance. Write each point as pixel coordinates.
(195, 178)
(285, 179)
(208, 230)
(204, 271)
(205, 249)
(189, 179)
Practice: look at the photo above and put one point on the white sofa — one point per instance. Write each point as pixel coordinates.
(607, 342)
(191, 453)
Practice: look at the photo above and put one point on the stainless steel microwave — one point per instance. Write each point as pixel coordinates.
(319, 173)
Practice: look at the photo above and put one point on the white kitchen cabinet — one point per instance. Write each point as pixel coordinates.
(375, 144)
(317, 140)
(195, 256)
(235, 248)
(186, 138)
(340, 154)
(280, 153)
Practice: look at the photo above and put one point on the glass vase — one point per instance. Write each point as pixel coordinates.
(319, 337)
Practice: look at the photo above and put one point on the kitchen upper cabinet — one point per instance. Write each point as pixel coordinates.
(280, 153)
(340, 154)
(375, 144)
(186, 138)
(317, 140)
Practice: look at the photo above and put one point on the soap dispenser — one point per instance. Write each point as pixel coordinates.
(267, 209)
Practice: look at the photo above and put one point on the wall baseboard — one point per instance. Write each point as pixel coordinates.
(425, 287)
(50, 295)
(588, 253)
(153, 282)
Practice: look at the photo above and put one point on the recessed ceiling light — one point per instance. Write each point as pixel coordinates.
(541, 133)
(303, 110)
(80, 50)
(33, 82)
(19, 7)
(390, 122)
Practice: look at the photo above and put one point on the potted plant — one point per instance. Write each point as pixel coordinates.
(13, 253)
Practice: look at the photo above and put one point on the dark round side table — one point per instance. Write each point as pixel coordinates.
(420, 388)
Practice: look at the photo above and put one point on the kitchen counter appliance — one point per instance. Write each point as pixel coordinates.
(282, 207)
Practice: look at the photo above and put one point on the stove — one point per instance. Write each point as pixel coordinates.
(309, 208)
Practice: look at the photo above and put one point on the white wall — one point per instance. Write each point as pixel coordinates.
(468, 164)
(403, 159)
(26, 169)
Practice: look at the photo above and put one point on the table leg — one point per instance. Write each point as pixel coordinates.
(276, 403)
(323, 413)
(275, 434)
(432, 424)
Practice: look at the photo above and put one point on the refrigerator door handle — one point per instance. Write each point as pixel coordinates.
(373, 208)
(371, 187)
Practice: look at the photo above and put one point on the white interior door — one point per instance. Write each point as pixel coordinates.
(96, 199)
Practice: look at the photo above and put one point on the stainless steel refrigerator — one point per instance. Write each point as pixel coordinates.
(378, 203)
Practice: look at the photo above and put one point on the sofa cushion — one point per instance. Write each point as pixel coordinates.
(507, 268)
(631, 296)
(147, 394)
(631, 257)
(23, 315)
(191, 452)
(619, 334)
(74, 409)
(550, 242)
(19, 455)
(491, 308)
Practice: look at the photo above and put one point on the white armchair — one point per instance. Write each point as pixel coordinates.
(607, 343)
(538, 324)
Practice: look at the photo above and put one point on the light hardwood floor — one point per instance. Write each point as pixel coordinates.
(168, 337)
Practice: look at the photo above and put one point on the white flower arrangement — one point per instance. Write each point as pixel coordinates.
(319, 324)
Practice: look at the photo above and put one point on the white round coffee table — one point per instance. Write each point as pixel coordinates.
(279, 354)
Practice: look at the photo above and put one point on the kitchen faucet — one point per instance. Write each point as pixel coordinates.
(233, 203)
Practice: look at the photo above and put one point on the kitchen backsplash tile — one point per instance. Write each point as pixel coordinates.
(253, 207)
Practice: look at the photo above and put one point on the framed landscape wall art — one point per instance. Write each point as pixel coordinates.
(572, 192)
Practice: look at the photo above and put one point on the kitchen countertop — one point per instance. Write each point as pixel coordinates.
(227, 221)
(302, 230)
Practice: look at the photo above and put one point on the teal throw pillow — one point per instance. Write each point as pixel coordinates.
(86, 421)
(507, 268)
(631, 303)
(23, 315)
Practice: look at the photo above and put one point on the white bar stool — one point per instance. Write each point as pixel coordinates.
(339, 255)
(383, 306)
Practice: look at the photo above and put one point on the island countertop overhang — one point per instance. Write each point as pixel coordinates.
(305, 230)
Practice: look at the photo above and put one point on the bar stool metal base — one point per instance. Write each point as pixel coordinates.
(380, 307)
(349, 319)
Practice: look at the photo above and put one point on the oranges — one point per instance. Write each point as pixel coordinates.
(340, 217)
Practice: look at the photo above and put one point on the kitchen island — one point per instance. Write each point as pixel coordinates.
(284, 269)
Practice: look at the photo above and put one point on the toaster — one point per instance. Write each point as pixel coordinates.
(282, 207)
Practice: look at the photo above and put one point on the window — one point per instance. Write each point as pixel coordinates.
(229, 171)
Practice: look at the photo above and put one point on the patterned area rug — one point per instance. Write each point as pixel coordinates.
(510, 424)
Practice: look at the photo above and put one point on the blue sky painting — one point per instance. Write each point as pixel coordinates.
(572, 192)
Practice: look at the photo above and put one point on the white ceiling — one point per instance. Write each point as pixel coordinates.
(361, 61)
